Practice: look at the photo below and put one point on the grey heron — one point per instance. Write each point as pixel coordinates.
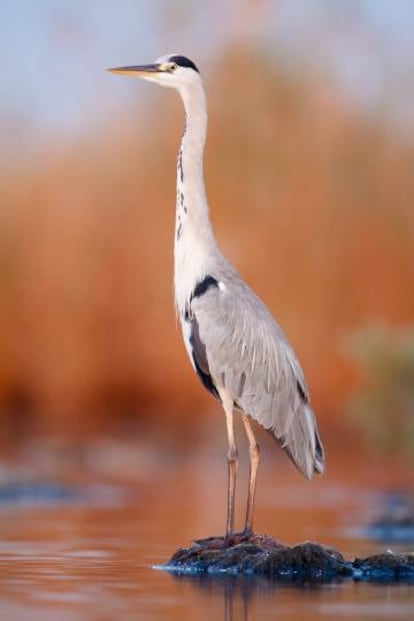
(235, 346)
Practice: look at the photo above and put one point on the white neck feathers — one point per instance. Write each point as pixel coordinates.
(194, 241)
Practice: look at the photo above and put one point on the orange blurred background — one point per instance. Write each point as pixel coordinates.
(311, 194)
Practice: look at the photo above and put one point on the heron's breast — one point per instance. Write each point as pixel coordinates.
(190, 266)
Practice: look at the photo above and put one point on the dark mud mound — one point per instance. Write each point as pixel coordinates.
(385, 567)
(260, 555)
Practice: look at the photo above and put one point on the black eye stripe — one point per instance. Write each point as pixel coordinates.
(182, 61)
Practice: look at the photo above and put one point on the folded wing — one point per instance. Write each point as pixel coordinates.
(247, 354)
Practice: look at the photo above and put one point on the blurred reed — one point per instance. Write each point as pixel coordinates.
(311, 201)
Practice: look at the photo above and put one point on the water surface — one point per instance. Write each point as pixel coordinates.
(87, 551)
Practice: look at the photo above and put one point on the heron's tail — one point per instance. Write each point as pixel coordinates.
(303, 444)
(319, 465)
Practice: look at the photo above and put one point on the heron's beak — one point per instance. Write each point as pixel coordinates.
(139, 71)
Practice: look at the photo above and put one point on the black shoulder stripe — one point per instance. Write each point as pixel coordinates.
(205, 284)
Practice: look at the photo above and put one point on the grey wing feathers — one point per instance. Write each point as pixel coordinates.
(249, 356)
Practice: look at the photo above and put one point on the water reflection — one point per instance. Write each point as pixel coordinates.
(239, 594)
(259, 598)
(234, 591)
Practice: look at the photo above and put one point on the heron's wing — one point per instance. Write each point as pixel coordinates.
(249, 357)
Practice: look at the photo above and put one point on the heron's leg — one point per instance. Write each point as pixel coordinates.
(232, 461)
(254, 453)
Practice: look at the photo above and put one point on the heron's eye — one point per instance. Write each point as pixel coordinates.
(173, 67)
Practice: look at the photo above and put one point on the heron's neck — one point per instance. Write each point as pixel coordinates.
(194, 240)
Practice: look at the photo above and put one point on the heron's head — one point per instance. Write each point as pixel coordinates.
(173, 70)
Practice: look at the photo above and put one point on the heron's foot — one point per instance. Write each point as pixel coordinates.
(215, 541)
(234, 539)
(225, 541)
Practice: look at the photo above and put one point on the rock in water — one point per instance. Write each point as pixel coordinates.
(261, 555)
(385, 567)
